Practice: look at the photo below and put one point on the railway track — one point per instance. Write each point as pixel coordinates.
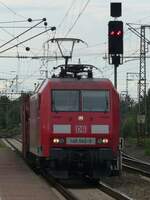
(135, 165)
(100, 189)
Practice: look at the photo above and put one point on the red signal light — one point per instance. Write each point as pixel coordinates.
(115, 33)
(115, 37)
(119, 33)
(112, 33)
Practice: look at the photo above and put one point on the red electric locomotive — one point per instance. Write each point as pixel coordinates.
(71, 124)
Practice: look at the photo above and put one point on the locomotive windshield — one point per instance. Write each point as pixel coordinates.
(65, 100)
(80, 100)
(94, 100)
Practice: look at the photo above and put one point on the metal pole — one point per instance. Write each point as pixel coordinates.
(142, 89)
(115, 75)
(66, 61)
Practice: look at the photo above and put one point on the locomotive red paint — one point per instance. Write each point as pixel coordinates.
(71, 126)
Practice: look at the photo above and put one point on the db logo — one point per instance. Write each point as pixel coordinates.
(80, 129)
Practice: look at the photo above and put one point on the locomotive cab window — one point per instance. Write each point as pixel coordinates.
(95, 100)
(65, 100)
(80, 100)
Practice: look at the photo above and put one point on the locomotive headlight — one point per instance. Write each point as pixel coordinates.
(58, 141)
(105, 141)
(102, 141)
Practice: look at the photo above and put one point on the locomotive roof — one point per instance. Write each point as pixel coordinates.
(54, 81)
(72, 80)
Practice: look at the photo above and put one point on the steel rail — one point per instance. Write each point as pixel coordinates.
(113, 192)
(69, 195)
(136, 165)
(64, 191)
(49, 179)
(134, 169)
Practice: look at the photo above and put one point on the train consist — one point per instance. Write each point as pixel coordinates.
(71, 124)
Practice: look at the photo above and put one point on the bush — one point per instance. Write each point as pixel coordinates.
(128, 127)
(9, 117)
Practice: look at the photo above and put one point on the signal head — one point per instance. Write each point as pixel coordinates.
(115, 37)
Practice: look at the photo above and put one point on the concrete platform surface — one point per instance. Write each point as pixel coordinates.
(19, 182)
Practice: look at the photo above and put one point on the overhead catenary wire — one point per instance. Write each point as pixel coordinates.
(76, 20)
(15, 13)
(20, 21)
(67, 13)
(15, 21)
(19, 27)
(11, 10)
(27, 40)
(64, 17)
(16, 37)
(29, 20)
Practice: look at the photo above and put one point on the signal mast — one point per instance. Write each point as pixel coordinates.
(115, 39)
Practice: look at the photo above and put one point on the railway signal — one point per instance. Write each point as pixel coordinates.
(115, 45)
(115, 37)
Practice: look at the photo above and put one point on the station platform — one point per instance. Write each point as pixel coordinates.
(19, 182)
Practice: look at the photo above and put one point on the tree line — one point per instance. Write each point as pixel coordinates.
(9, 116)
(129, 112)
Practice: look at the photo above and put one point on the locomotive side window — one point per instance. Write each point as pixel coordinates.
(95, 100)
(65, 100)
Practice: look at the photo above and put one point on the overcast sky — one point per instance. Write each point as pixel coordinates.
(87, 20)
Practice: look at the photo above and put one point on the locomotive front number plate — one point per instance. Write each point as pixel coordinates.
(80, 140)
